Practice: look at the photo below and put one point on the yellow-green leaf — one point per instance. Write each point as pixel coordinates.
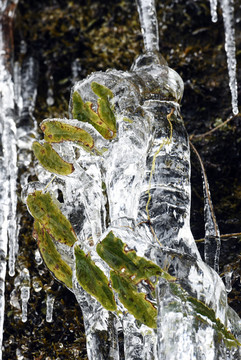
(93, 280)
(61, 270)
(101, 90)
(51, 160)
(104, 120)
(136, 303)
(112, 251)
(57, 131)
(47, 213)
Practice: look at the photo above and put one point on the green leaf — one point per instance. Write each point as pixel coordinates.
(101, 91)
(104, 120)
(112, 251)
(47, 213)
(57, 131)
(61, 270)
(135, 302)
(93, 280)
(206, 315)
(51, 160)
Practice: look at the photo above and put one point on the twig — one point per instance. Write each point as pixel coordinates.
(222, 236)
(216, 128)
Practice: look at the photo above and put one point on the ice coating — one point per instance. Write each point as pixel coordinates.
(140, 190)
(115, 189)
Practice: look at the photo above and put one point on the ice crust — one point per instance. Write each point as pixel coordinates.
(110, 193)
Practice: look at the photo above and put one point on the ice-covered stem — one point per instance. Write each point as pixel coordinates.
(149, 24)
(8, 154)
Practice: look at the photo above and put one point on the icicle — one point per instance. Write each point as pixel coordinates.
(212, 234)
(230, 48)
(228, 277)
(49, 307)
(149, 24)
(213, 8)
(25, 292)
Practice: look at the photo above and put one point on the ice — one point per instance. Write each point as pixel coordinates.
(149, 24)
(25, 292)
(230, 48)
(49, 307)
(212, 234)
(213, 8)
(227, 7)
(228, 274)
(8, 156)
(139, 188)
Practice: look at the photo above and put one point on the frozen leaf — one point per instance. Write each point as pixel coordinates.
(104, 120)
(112, 250)
(51, 160)
(57, 132)
(93, 280)
(51, 257)
(206, 315)
(46, 211)
(101, 91)
(136, 303)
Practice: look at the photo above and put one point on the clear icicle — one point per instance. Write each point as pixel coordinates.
(213, 8)
(49, 307)
(230, 48)
(25, 292)
(212, 234)
(228, 273)
(149, 24)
